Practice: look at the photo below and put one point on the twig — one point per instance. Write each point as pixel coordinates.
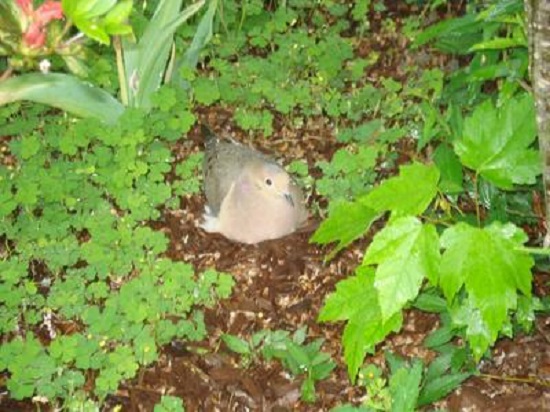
(530, 381)
(7, 73)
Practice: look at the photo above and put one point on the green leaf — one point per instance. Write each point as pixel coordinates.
(405, 386)
(453, 35)
(297, 358)
(200, 39)
(145, 62)
(488, 264)
(118, 15)
(92, 30)
(355, 300)
(10, 15)
(440, 336)
(406, 252)
(86, 9)
(430, 302)
(169, 404)
(206, 91)
(236, 344)
(409, 193)
(29, 147)
(498, 44)
(307, 390)
(64, 92)
(346, 222)
(440, 387)
(450, 168)
(495, 142)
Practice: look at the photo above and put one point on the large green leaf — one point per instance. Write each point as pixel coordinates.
(495, 142)
(64, 92)
(145, 62)
(406, 252)
(452, 35)
(347, 222)
(488, 264)
(410, 193)
(87, 9)
(98, 19)
(355, 300)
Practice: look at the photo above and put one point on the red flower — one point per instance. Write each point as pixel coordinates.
(26, 6)
(35, 33)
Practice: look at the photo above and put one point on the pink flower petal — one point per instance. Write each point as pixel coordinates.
(48, 11)
(26, 6)
(35, 36)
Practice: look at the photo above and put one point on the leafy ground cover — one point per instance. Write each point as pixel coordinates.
(121, 304)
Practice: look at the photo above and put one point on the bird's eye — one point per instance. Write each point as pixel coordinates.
(268, 181)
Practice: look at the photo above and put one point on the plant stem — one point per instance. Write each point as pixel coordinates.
(243, 16)
(476, 189)
(531, 381)
(65, 30)
(7, 73)
(534, 250)
(120, 69)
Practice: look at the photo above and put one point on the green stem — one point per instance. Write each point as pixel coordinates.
(437, 221)
(534, 250)
(66, 28)
(120, 69)
(243, 16)
(222, 20)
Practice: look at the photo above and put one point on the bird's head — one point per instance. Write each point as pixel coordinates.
(269, 180)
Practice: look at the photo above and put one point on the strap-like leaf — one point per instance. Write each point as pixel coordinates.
(64, 92)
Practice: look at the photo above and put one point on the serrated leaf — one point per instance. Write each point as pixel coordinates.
(349, 296)
(491, 268)
(495, 142)
(440, 387)
(355, 300)
(347, 222)
(440, 336)
(410, 193)
(438, 366)
(404, 387)
(406, 252)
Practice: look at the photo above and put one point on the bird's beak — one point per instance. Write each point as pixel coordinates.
(288, 198)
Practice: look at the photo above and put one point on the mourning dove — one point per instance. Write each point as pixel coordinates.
(250, 198)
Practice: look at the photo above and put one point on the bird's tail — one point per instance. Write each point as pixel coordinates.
(209, 136)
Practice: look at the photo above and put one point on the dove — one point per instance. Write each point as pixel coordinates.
(250, 197)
